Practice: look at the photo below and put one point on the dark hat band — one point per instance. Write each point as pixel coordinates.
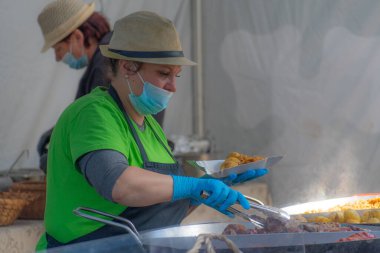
(148, 54)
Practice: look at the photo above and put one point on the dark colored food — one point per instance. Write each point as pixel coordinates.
(273, 225)
(357, 237)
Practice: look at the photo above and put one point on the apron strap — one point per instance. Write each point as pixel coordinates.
(116, 97)
(159, 139)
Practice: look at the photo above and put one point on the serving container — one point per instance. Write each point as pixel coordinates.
(212, 167)
(183, 238)
(325, 205)
(326, 208)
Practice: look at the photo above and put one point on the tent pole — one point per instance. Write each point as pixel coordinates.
(198, 101)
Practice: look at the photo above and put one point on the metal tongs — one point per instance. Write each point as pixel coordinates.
(117, 221)
(268, 211)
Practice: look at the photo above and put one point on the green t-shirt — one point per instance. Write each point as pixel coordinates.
(93, 122)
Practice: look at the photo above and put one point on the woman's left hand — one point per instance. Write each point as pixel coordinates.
(248, 175)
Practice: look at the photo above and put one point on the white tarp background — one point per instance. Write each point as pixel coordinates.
(35, 89)
(299, 78)
(293, 77)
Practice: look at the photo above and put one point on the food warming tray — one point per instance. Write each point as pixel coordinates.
(183, 238)
(324, 205)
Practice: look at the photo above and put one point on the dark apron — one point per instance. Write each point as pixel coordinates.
(144, 218)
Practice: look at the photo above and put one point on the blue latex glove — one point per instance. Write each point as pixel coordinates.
(248, 175)
(234, 178)
(220, 195)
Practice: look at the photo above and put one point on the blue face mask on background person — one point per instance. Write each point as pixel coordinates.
(152, 100)
(73, 62)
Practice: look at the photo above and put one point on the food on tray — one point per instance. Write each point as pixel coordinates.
(370, 216)
(360, 211)
(273, 225)
(351, 216)
(319, 219)
(346, 216)
(373, 203)
(337, 217)
(234, 159)
(358, 236)
(298, 218)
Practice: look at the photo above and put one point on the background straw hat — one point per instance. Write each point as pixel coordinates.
(145, 37)
(60, 18)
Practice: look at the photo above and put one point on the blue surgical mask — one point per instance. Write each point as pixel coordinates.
(73, 62)
(152, 100)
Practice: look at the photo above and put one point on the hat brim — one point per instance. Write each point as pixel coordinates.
(65, 29)
(181, 61)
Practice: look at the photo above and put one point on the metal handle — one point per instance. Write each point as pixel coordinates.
(254, 200)
(129, 227)
(237, 212)
(273, 210)
(245, 216)
(25, 151)
(261, 207)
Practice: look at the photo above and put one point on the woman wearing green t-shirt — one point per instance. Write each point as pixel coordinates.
(108, 153)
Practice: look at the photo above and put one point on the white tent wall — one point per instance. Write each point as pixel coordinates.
(299, 78)
(35, 89)
(292, 77)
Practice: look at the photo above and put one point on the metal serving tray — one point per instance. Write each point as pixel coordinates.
(308, 210)
(182, 238)
(324, 205)
(212, 167)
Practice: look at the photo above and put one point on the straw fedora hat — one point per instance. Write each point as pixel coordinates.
(60, 18)
(144, 36)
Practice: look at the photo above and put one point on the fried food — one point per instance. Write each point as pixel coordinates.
(372, 216)
(373, 220)
(228, 164)
(351, 216)
(352, 221)
(360, 211)
(348, 216)
(373, 203)
(299, 218)
(234, 154)
(337, 217)
(234, 159)
(320, 219)
(366, 216)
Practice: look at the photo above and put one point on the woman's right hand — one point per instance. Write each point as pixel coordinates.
(220, 196)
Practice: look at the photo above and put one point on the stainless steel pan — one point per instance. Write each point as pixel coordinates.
(182, 238)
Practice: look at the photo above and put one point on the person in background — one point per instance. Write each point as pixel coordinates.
(108, 153)
(74, 30)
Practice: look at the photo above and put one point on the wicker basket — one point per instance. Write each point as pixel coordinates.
(10, 209)
(30, 197)
(35, 209)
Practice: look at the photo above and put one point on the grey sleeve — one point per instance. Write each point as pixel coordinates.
(102, 168)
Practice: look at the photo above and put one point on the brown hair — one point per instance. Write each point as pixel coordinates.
(96, 26)
(112, 65)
